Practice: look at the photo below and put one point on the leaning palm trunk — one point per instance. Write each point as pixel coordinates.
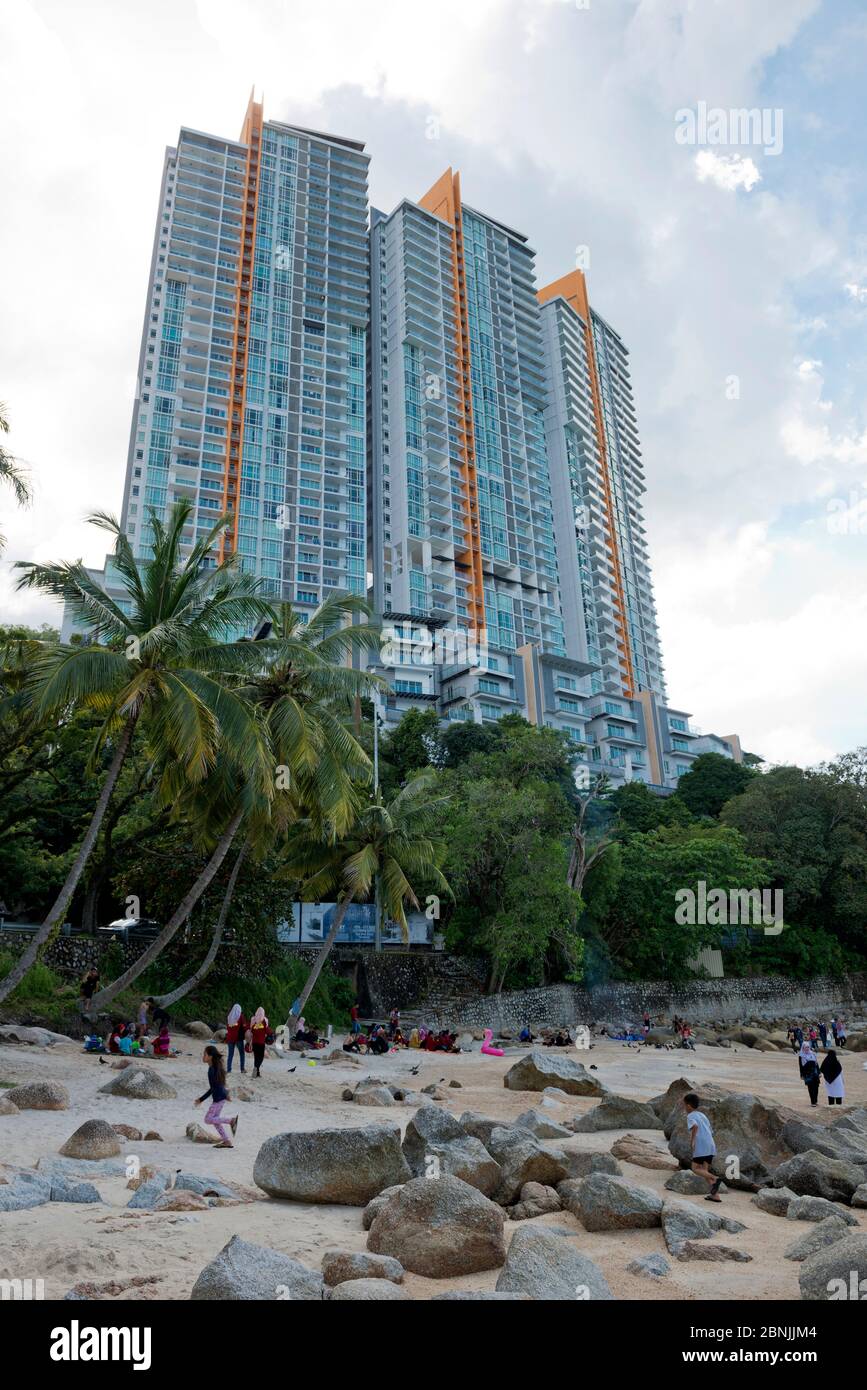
(177, 919)
(165, 1000)
(316, 968)
(64, 897)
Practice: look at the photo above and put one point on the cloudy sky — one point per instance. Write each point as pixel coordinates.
(736, 274)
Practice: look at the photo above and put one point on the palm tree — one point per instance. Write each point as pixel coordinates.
(194, 980)
(306, 694)
(293, 679)
(12, 471)
(156, 658)
(389, 842)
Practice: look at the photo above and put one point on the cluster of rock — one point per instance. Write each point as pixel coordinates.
(763, 1035)
(772, 1144)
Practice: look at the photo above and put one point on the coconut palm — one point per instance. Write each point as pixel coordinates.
(12, 471)
(156, 660)
(389, 842)
(294, 680)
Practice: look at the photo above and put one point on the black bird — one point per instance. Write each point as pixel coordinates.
(291, 1069)
(414, 1071)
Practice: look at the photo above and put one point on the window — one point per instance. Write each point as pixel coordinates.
(678, 724)
(490, 687)
(681, 744)
(616, 730)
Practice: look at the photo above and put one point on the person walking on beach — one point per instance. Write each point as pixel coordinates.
(354, 1016)
(841, 1032)
(258, 1034)
(809, 1069)
(236, 1032)
(218, 1096)
(703, 1144)
(823, 1034)
(832, 1074)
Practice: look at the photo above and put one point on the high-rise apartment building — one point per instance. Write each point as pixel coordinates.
(251, 395)
(394, 409)
(461, 518)
(598, 482)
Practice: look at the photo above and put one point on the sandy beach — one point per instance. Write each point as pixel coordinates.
(65, 1244)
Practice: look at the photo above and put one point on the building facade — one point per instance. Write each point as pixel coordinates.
(251, 389)
(387, 405)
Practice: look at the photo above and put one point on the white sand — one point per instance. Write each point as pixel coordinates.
(65, 1243)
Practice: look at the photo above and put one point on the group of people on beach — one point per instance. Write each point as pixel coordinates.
(380, 1038)
(145, 1036)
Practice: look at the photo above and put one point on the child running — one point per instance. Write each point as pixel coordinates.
(219, 1095)
(703, 1146)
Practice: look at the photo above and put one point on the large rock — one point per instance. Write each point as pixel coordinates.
(859, 1196)
(26, 1189)
(368, 1291)
(613, 1204)
(811, 1174)
(39, 1095)
(687, 1183)
(245, 1272)
(682, 1224)
(837, 1273)
(643, 1153)
(536, 1200)
(670, 1104)
(148, 1193)
(846, 1142)
(541, 1127)
(375, 1205)
(745, 1127)
(823, 1234)
(93, 1139)
(774, 1200)
(580, 1162)
(34, 1037)
(480, 1296)
(552, 1068)
(522, 1159)
(339, 1266)
(200, 1030)
(481, 1126)
(344, 1166)
(818, 1209)
(435, 1143)
(374, 1095)
(139, 1083)
(439, 1227)
(7, 1106)
(545, 1267)
(617, 1112)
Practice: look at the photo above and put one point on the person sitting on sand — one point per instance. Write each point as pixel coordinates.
(353, 1042)
(112, 1042)
(162, 1043)
(94, 1043)
(378, 1042)
(525, 1036)
(414, 1039)
(702, 1143)
(218, 1094)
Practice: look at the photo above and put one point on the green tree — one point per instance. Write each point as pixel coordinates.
(636, 808)
(811, 826)
(712, 780)
(638, 925)
(414, 744)
(157, 660)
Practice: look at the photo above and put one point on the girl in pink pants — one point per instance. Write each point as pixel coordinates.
(218, 1096)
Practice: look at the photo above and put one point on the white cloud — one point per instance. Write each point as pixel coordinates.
(562, 122)
(727, 171)
(857, 292)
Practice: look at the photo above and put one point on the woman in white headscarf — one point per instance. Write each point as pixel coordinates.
(258, 1034)
(236, 1027)
(809, 1068)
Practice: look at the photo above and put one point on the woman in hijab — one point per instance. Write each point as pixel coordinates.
(833, 1075)
(809, 1069)
(258, 1034)
(236, 1028)
(414, 1038)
